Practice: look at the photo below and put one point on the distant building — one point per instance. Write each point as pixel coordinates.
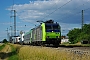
(64, 39)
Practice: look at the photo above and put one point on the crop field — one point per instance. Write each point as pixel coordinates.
(26, 52)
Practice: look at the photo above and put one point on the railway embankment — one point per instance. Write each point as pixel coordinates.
(2, 46)
(4, 52)
(8, 52)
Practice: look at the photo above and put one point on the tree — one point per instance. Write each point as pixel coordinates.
(5, 41)
(86, 28)
(85, 34)
(73, 34)
(77, 35)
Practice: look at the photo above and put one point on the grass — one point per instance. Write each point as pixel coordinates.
(2, 46)
(44, 53)
(34, 53)
(13, 55)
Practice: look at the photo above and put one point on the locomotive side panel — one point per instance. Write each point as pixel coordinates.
(33, 35)
(27, 38)
(39, 33)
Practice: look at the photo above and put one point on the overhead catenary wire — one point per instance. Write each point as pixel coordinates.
(55, 4)
(63, 6)
(57, 9)
(74, 14)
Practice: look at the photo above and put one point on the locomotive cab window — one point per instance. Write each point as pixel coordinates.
(56, 26)
(52, 27)
(48, 27)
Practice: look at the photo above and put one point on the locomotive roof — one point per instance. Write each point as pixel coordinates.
(49, 21)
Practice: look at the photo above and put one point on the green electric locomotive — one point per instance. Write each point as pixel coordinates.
(46, 33)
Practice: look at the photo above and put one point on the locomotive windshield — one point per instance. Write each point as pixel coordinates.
(52, 27)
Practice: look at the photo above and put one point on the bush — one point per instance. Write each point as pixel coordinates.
(5, 41)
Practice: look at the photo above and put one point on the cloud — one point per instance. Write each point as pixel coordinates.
(36, 9)
(6, 23)
(66, 12)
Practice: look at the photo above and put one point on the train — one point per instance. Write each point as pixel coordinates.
(15, 39)
(48, 32)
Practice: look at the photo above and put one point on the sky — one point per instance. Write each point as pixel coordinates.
(68, 13)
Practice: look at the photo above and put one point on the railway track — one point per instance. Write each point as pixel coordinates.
(77, 52)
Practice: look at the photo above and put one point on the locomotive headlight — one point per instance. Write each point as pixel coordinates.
(52, 31)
